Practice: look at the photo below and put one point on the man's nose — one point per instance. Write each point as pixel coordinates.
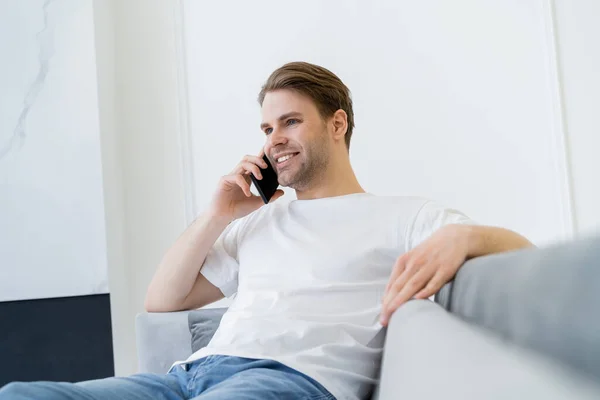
(276, 138)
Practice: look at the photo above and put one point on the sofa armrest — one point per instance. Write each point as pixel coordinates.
(540, 299)
(162, 339)
(430, 353)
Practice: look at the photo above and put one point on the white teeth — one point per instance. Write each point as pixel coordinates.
(284, 158)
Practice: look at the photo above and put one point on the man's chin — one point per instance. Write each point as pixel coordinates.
(285, 179)
(296, 185)
(293, 180)
(287, 183)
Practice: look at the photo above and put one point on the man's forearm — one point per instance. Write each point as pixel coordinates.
(180, 266)
(483, 240)
(422, 271)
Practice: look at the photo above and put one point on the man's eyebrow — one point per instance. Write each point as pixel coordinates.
(282, 118)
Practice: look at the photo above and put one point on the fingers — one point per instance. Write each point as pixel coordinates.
(258, 160)
(413, 280)
(434, 285)
(416, 283)
(248, 167)
(243, 184)
(398, 280)
(396, 271)
(250, 164)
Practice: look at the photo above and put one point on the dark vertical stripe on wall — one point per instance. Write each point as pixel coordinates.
(62, 339)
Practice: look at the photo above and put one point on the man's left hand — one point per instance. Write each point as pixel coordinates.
(422, 271)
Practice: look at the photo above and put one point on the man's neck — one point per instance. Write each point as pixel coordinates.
(338, 181)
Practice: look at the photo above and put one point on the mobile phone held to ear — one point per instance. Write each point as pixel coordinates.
(267, 186)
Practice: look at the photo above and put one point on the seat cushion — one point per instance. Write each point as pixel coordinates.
(203, 325)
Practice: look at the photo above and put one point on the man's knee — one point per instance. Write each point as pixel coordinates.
(16, 391)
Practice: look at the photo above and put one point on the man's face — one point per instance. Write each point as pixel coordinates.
(297, 138)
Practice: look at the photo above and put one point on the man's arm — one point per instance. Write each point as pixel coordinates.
(422, 271)
(177, 283)
(484, 240)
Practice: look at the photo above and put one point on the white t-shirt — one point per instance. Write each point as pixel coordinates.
(308, 278)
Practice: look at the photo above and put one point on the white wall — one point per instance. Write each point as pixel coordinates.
(147, 175)
(453, 101)
(578, 34)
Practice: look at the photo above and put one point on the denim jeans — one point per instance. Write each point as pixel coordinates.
(212, 377)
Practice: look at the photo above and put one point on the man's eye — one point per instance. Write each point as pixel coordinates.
(292, 121)
(268, 131)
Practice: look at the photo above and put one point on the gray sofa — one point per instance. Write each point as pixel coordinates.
(518, 325)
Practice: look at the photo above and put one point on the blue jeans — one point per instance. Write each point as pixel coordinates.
(213, 377)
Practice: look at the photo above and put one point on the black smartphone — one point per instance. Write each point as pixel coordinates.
(267, 186)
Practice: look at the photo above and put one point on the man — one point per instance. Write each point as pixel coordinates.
(316, 279)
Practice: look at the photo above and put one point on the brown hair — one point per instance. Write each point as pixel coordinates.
(321, 85)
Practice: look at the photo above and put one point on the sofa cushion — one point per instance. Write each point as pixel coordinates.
(162, 339)
(203, 325)
(547, 300)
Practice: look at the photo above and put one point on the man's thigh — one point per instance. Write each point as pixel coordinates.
(266, 384)
(135, 387)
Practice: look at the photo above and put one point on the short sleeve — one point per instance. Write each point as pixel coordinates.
(428, 219)
(221, 266)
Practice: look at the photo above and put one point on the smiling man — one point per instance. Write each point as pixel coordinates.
(316, 278)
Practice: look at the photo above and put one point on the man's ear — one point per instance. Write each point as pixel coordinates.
(340, 124)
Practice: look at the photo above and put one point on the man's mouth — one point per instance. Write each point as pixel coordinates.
(284, 159)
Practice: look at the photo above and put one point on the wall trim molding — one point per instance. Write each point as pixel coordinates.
(560, 127)
(185, 136)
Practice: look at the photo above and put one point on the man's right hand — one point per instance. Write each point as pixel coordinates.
(233, 198)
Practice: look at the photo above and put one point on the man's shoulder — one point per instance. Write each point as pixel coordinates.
(260, 213)
(403, 198)
(401, 201)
